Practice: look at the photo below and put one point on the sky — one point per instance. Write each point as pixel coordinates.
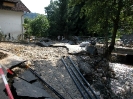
(36, 6)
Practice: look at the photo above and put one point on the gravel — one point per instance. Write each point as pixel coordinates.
(47, 63)
(122, 86)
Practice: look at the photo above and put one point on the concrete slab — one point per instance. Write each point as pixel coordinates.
(38, 84)
(10, 60)
(2, 87)
(72, 49)
(28, 76)
(75, 49)
(26, 89)
(59, 44)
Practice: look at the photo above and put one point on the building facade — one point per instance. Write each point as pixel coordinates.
(11, 18)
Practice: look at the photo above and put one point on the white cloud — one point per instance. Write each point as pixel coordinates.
(36, 5)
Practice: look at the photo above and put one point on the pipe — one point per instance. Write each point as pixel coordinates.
(73, 79)
(81, 83)
(83, 78)
(47, 85)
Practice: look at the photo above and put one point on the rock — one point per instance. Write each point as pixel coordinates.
(131, 89)
(93, 42)
(44, 40)
(71, 42)
(98, 59)
(104, 78)
(83, 44)
(127, 88)
(100, 74)
(127, 83)
(99, 70)
(42, 44)
(99, 85)
(97, 93)
(85, 68)
(75, 39)
(26, 64)
(91, 50)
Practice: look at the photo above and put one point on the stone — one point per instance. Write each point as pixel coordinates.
(127, 83)
(93, 42)
(100, 74)
(85, 68)
(83, 44)
(44, 40)
(24, 88)
(26, 64)
(127, 88)
(91, 50)
(99, 70)
(71, 42)
(104, 78)
(42, 44)
(131, 89)
(99, 85)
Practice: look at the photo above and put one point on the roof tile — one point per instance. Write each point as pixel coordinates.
(19, 6)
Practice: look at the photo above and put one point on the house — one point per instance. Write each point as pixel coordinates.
(11, 18)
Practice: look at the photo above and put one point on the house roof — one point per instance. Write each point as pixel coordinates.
(19, 6)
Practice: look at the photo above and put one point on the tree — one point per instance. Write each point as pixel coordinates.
(52, 11)
(26, 26)
(39, 26)
(107, 14)
(65, 20)
(57, 16)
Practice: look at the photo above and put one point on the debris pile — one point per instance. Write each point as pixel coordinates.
(109, 82)
(112, 80)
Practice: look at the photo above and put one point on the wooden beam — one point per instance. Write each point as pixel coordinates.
(9, 4)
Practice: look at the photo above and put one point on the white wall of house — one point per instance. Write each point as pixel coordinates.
(11, 22)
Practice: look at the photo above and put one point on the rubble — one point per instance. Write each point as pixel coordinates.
(110, 80)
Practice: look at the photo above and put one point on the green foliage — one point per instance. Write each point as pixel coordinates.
(57, 16)
(26, 26)
(39, 26)
(36, 27)
(65, 19)
(107, 16)
(100, 10)
(52, 15)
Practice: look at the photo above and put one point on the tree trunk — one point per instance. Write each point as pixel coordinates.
(111, 46)
(115, 28)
